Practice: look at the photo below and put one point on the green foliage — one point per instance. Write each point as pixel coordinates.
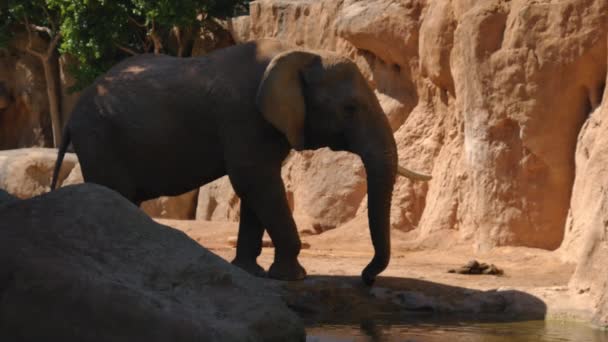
(99, 33)
(15, 12)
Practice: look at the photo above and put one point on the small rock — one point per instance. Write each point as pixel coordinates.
(474, 267)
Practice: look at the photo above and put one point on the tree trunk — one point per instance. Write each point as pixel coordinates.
(180, 44)
(49, 76)
(52, 94)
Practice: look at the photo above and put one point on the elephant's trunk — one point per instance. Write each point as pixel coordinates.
(378, 151)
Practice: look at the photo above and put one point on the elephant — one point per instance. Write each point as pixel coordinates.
(159, 125)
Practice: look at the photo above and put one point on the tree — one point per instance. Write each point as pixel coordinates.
(99, 33)
(35, 17)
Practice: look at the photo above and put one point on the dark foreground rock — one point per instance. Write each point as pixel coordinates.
(83, 264)
(6, 198)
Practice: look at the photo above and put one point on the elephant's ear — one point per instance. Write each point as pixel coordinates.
(280, 97)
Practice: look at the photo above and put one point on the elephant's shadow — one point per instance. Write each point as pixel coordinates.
(345, 300)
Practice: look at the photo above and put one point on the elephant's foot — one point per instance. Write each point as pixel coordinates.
(282, 270)
(250, 267)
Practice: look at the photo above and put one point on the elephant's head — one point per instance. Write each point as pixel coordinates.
(322, 100)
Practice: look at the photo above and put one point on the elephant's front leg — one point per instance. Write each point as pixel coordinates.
(262, 189)
(249, 243)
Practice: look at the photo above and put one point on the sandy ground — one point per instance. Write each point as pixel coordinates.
(416, 280)
(345, 252)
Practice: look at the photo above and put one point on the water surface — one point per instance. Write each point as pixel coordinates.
(527, 331)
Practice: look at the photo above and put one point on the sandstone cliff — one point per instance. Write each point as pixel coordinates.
(586, 233)
(489, 96)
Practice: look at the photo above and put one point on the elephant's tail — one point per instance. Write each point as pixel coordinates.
(65, 142)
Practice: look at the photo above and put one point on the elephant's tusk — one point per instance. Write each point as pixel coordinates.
(413, 175)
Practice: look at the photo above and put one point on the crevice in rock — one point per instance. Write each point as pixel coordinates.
(600, 92)
(493, 27)
(211, 206)
(588, 105)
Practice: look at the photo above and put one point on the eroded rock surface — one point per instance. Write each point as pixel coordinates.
(586, 236)
(81, 263)
(6, 198)
(27, 172)
(24, 118)
(500, 100)
(181, 207)
(489, 96)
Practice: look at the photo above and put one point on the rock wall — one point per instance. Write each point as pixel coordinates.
(489, 96)
(24, 109)
(27, 172)
(586, 235)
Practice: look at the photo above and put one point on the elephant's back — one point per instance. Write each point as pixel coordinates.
(150, 114)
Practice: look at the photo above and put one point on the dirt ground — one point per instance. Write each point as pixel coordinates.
(415, 281)
(346, 250)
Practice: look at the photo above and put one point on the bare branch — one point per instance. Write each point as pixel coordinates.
(28, 47)
(42, 29)
(48, 15)
(126, 49)
(52, 44)
(136, 23)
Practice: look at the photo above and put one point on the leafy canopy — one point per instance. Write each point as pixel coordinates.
(99, 33)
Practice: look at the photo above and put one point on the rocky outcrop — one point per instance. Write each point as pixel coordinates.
(181, 207)
(6, 198)
(82, 263)
(586, 236)
(489, 96)
(24, 110)
(27, 172)
(218, 202)
(320, 200)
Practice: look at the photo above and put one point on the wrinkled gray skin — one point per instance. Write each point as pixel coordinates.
(159, 125)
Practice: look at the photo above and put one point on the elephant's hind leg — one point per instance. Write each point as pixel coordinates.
(249, 243)
(262, 189)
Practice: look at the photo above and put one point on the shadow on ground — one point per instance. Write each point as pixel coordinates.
(344, 300)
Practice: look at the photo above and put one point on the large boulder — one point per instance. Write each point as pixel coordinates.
(217, 201)
(324, 190)
(586, 236)
(83, 264)
(180, 207)
(27, 172)
(6, 198)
